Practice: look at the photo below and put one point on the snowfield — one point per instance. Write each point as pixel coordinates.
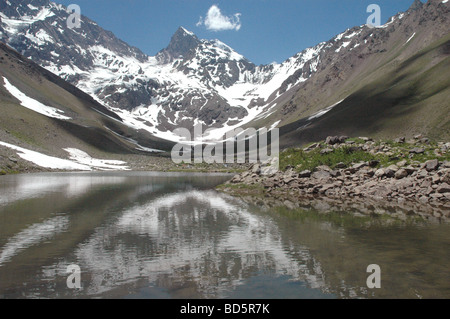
(79, 160)
(32, 104)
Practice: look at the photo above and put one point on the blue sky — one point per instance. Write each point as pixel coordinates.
(263, 31)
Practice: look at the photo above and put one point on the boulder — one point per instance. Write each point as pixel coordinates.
(401, 173)
(311, 147)
(379, 173)
(443, 188)
(373, 163)
(323, 168)
(402, 163)
(432, 165)
(393, 167)
(445, 178)
(417, 150)
(331, 140)
(321, 175)
(340, 165)
(326, 151)
(269, 170)
(390, 171)
(304, 174)
(343, 139)
(256, 169)
(359, 166)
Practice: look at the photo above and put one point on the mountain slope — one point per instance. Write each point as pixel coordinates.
(191, 81)
(397, 87)
(195, 81)
(43, 113)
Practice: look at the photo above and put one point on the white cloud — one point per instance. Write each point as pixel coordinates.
(216, 21)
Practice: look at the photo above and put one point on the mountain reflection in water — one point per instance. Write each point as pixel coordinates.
(161, 235)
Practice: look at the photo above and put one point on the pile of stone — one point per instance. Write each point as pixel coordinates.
(426, 183)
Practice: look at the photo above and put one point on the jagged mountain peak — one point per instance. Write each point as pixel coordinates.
(183, 31)
(15, 3)
(195, 80)
(21, 8)
(182, 44)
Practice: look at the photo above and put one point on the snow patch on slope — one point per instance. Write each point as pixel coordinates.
(45, 160)
(101, 164)
(80, 161)
(34, 105)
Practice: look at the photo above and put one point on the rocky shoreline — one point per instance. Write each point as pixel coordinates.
(416, 187)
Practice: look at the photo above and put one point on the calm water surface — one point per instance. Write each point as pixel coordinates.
(161, 235)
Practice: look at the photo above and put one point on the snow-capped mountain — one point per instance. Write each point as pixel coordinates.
(190, 81)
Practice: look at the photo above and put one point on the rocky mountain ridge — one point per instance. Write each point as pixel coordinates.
(195, 81)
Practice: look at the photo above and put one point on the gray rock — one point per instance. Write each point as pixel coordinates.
(390, 171)
(435, 179)
(359, 166)
(326, 151)
(331, 140)
(379, 173)
(304, 174)
(288, 179)
(432, 165)
(393, 167)
(373, 163)
(311, 147)
(410, 169)
(269, 170)
(422, 173)
(323, 168)
(340, 165)
(402, 163)
(443, 188)
(256, 169)
(446, 178)
(401, 173)
(321, 175)
(417, 150)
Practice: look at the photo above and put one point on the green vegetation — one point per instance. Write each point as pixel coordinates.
(23, 137)
(390, 153)
(302, 160)
(206, 168)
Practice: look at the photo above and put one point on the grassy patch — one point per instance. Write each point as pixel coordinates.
(23, 138)
(350, 154)
(302, 160)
